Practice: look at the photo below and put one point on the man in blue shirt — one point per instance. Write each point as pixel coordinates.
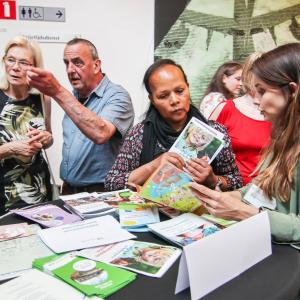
(97, 117)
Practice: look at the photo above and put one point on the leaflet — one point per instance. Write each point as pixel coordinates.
(141, 257)
(184, 229)
(198, 140)
(137, 215)
(85, 234)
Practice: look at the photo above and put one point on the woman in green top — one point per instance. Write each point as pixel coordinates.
(276, 81)
(24, 131)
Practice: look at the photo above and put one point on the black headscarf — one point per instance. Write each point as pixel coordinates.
(156, 129)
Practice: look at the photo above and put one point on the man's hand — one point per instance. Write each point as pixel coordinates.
(44, 81)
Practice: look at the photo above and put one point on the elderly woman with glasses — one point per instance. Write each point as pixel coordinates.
(24, 129)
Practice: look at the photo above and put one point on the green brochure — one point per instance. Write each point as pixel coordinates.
(88, 276)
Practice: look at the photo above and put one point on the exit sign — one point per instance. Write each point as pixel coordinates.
(8, 10)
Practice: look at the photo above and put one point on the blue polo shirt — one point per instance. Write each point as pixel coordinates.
(83, 161)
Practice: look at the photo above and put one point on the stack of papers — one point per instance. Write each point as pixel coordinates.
(88, 276)
(88, 205)
(141, 257)
(184, 229)
(85, 234)
(48, 215)
(17, 255)
(136, 217)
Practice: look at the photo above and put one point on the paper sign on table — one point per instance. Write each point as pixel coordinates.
(213, 261)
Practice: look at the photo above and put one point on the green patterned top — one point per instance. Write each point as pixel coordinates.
(22, 179)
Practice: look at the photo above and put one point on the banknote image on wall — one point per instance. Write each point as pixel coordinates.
(208, 33)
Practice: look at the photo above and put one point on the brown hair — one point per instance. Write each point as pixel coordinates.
(247, 75)
(278, 68)
(216, 84)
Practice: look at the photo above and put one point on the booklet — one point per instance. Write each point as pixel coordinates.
(198, 140)
(48, 215)
(133, 216)
(184, 229)
(17, 255)
(141, 257)
(85, 234)
(169, 186)
(88, 276)
(13, 231)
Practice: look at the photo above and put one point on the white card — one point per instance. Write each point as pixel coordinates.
(257, 198)
(218, 258)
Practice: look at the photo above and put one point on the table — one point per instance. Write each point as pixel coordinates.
(275, 278)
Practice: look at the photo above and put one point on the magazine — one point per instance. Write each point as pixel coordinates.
(88, 276)
(48, 215)
(137, 216)
(168, 186)
(198, 140)
(141, 257)
(184, 229)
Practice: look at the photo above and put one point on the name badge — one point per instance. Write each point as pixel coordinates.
(256, 197)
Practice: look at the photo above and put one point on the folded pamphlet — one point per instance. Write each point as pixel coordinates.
(141, 257)
(184, 229)
(88, 276)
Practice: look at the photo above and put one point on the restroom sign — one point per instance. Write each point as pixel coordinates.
(8, 10)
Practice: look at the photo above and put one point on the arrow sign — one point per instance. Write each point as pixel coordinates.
(59, 14)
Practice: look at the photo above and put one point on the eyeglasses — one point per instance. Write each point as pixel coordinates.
(23, 64)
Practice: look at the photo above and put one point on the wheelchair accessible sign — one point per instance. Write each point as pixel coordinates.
(39, 13)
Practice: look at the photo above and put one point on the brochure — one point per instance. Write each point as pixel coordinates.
(141, 257)
(17, 255)
(87, 205)
(48, 215)
(134, 216)
(36, 285)
(88, 276)
(13, 231)
(184, 229)
(198, 140)
(169, 186)
(85, 234)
